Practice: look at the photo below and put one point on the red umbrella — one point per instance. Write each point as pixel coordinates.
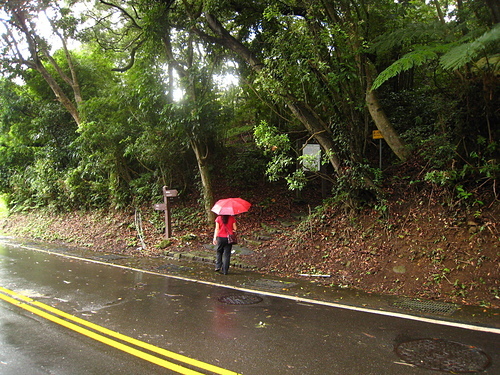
(231, 206)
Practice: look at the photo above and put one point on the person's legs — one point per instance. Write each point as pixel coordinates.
(220, 251)
(226, 258)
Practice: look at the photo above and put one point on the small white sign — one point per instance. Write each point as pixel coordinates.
(312, 157)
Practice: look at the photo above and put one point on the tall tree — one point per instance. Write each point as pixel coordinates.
(27, 48)
(146, 27)
(310, 56)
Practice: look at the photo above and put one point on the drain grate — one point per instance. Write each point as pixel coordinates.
(240, 299)
(434, 307)
(442, 355)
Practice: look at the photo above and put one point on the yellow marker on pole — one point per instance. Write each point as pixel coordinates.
(377, 134)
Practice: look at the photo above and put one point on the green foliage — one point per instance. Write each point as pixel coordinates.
(420, 56)
(480, 168)
(282, 162)
(471, 51)
(452, 53)
(350, 188)
(270, 138)
(440, 92)
(35, 135)
(38, 186)
(297, 180)
(441, 178)
(409, 34)
(84, 188)
(243, 168)
(437, 150)
(278, 166)
(4, 206)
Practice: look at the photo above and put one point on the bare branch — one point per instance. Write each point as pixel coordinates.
(131, 61)
(124, 12)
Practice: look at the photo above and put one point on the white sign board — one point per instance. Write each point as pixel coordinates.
(311, 157)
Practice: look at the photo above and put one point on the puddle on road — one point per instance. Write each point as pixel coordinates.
(94, 307)
(31, 293)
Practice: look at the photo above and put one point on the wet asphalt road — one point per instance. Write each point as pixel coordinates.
(201, 322)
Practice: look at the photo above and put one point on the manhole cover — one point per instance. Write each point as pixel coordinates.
(240, 299)
(434, 307)
(442, 355)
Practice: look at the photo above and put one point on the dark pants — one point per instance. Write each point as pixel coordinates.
(223, 254)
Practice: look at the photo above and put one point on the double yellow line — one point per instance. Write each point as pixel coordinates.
(110, 337)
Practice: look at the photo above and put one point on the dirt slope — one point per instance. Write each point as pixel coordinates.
(413, 245)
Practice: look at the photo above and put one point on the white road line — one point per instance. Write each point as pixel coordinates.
(471, 327)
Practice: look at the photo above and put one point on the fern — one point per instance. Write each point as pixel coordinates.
(418, 57)
(469, 52)
(453, 56)
(410, 35)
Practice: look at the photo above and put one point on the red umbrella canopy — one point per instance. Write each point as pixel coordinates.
(231, 206)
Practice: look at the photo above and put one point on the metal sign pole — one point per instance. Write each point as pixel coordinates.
(377, 134)
(380, 154)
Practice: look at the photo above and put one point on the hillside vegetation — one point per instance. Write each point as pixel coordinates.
(365, 133)
(416, 245)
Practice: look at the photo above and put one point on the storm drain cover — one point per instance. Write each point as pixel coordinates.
(442, 355)
(240, 299)
(434, 307)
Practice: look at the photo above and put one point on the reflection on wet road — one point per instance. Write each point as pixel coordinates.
(108, 337)
(124, 321)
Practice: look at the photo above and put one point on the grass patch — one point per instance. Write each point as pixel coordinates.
(4, 209)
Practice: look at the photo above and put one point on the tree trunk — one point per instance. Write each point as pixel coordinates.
(305, 115)
(382, 123)
(494, 6)
(36, 63)
(200, 149)
(73, 80)
(58, 91)
(320, 133)
(206, 180)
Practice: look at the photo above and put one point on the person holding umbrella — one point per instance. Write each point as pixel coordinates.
(225, 226)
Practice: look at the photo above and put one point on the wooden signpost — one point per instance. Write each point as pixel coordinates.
(165, 207)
